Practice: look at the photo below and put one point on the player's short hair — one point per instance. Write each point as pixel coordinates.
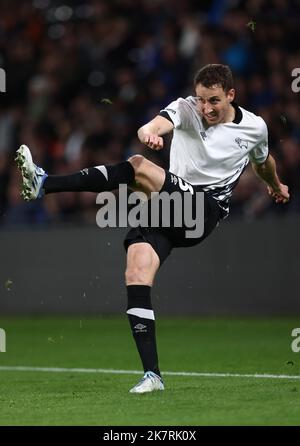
(215, 74)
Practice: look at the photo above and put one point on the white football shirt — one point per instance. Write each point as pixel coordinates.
(216, 156)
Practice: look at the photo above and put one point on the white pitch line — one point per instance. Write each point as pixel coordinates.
(139, 372)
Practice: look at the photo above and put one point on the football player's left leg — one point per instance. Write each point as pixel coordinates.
(142, 265)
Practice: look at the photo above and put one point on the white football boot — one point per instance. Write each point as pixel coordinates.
(33, 177)
(148, 383)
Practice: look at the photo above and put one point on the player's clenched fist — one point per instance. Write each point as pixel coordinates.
(155, 142)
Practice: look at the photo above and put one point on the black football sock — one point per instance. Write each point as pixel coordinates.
(94, 179)
(141, 319)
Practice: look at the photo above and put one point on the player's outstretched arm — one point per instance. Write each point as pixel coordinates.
(151, 133)
(267, 172)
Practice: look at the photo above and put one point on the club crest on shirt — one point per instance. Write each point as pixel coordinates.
(242, 143)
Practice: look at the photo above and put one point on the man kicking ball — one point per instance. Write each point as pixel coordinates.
(213, 141)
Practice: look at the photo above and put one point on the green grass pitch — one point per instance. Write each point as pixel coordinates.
(241, 346)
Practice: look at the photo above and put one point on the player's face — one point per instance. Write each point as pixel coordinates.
(214, 104)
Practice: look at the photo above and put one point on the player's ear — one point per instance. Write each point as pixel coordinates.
(231, 94)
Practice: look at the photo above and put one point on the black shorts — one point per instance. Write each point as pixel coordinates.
(164, 239)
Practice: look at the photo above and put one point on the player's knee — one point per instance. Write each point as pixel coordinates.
(137, 272)
(138, 162)
(140, 265)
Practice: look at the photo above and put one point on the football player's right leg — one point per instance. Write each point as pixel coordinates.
(137, 172)
(148, 176)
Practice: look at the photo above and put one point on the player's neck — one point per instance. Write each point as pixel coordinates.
(230, 115)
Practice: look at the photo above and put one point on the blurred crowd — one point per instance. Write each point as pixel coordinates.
(82, 76)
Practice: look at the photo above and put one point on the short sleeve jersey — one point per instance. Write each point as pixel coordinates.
(214, 157)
